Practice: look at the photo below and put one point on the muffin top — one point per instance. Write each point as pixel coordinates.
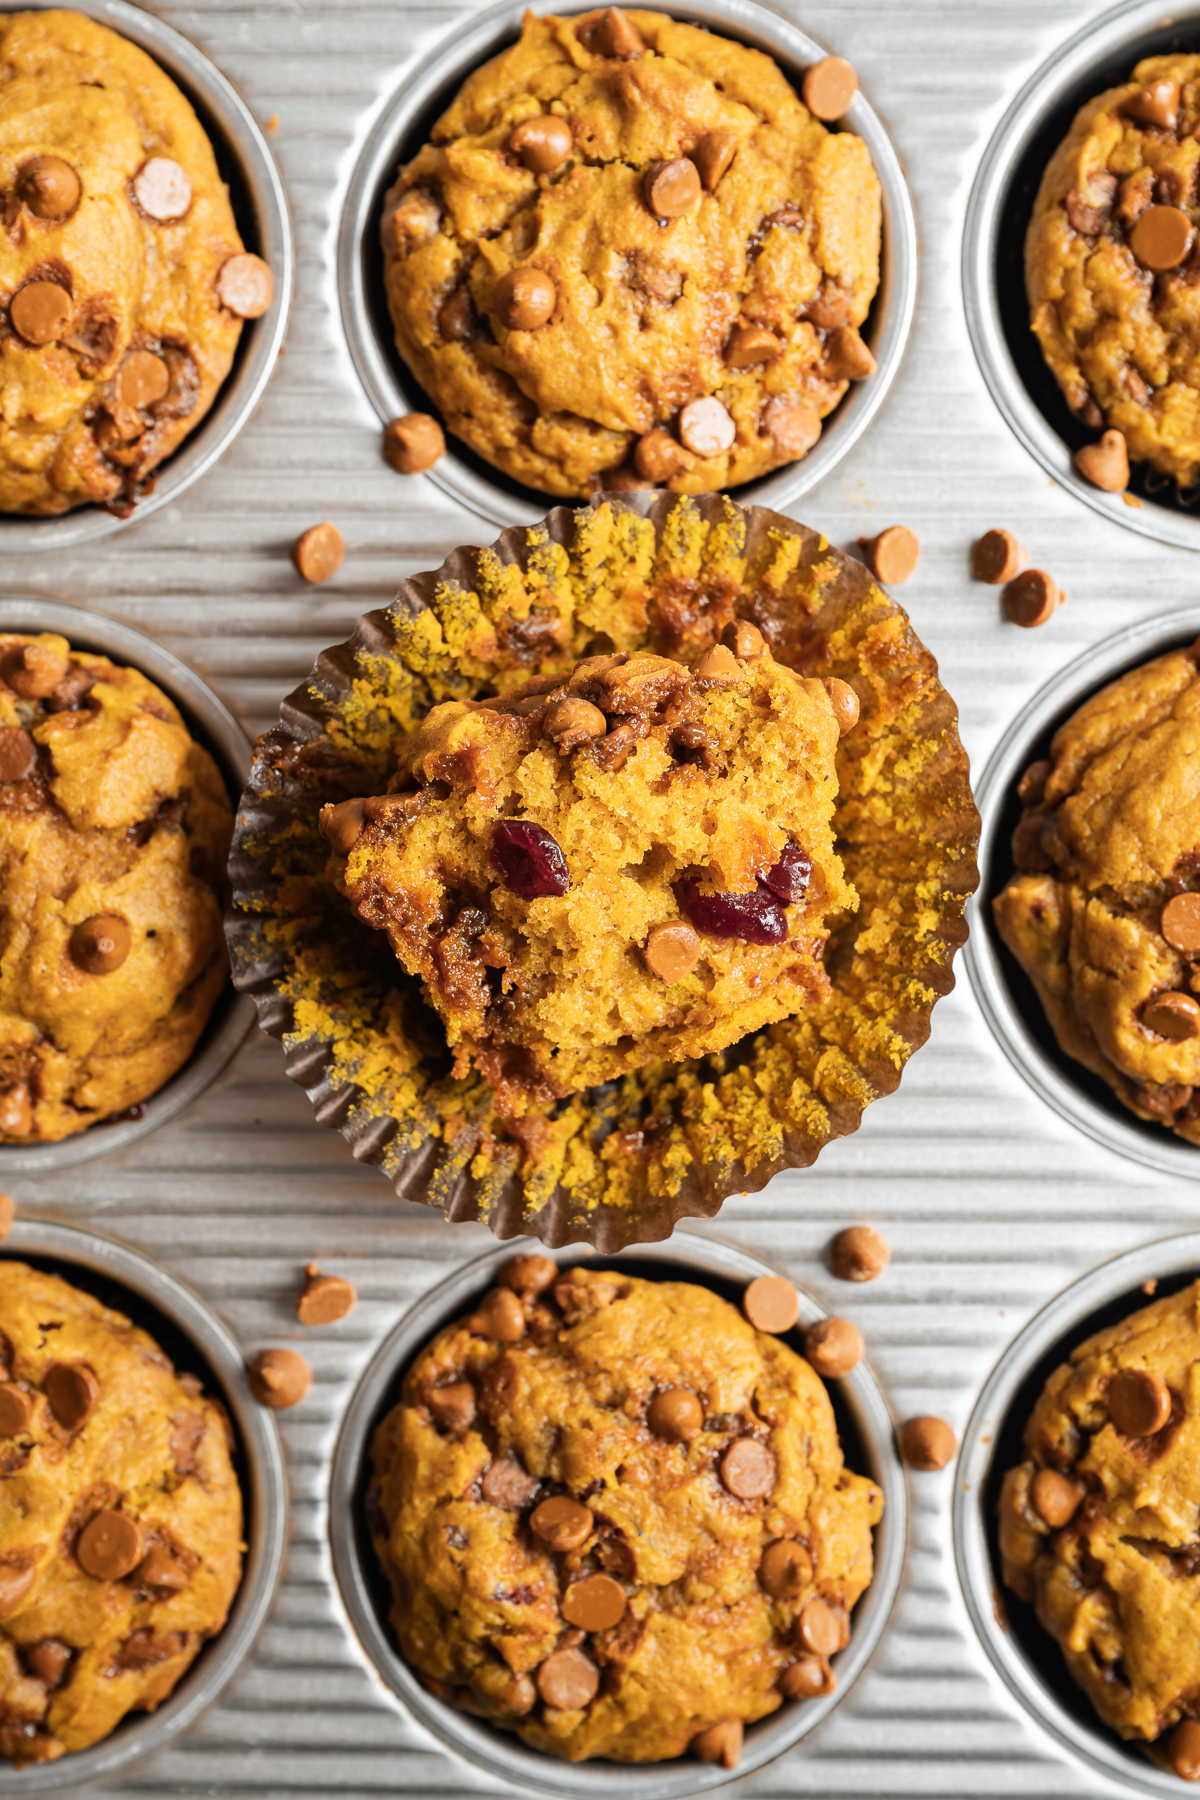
(1102, 913)
(635, 862)
(114, 830)
(1112, 264)
(614, 1515)
(629, 234)
(123, 280)
(120, 1536)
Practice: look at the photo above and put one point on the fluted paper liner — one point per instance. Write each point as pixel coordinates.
(621, 1163)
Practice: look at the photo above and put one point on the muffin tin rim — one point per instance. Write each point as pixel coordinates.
(1047, 87)
(462, 48)
(236, 399)
(1095, 1743)
(264, 1499)
(201, 705)
(1063, 692)
(500, 1753)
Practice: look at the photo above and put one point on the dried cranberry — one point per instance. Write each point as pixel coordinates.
(756, 918)
(527, 859)
(790, 876)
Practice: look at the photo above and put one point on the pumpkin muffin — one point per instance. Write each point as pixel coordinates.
(1097, 1526)
(633, 863)
(1103, 910)
(1112, 265)
(123, 281)
(114, 829)
(120, 1536)
(630, 254)
(616, 1518)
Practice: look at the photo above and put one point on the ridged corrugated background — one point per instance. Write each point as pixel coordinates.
(990, 1202)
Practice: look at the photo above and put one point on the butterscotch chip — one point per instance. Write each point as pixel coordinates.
(245, 285)
(16, 1579)
(749, 345)
(829, 86)
(542, 144)
(49, 187)
(596, 1603)
(568, 1680)
(453, 1406)
(823, 1629)
(713, 155)
(1161, 237)
(1183, 1747)
(844, 701)
(720, 1743)
(48, 1660)
(162, 190)
(834, 1347)
(786, 1569)
(793, 426)
(508, 1485)
(748, 1469)
(927, 1443)
(110, 1545)
(279, 1378)
(706, 428)
(1139, 1402)
(318, 552)
(72, 1393)
(997, 557)
(807, 1678)
(892, 556)
(159, 1569)
(342, 824)
(142, 379)
(1157, 104)
(617, 35)
(40, 311)
(7, 1214)
(16, 1409)
(658, 457)
(33, 670)
(672, 950)
(1056, 1497)
(771, 1303)
(563, 1524)
(572, 722)
(858, 1254)
(676, 1415)
(100, 944)
(18, 753)
(1106, 464)
(500, 1317)
(1172, 1015)
(672, 188)
(524, 299)
(846, 357)
(1032, 784)
(1179, 923)
(325, 1299)
(529, 1275)
(1031, 599)
(414, 443)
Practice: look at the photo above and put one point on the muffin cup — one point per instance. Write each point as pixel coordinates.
(197, 1341)
(403, 126)
(1099, 56)
(260, 208)
(1004, 991)
(886, 981)
(1023, 1654)
(212, 724)
(864, 1426)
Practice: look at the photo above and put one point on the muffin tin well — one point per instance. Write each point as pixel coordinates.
(198, 1342)
(865, 1428)
(213, 725)
(1100, 56)
(403, 125)
(1024, 1655)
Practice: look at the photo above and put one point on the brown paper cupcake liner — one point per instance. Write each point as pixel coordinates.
(621, 1163)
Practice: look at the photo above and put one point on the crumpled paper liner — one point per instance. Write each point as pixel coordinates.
(622, 1163)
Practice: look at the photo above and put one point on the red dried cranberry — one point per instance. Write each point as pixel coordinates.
(756, 918)
(527, 859)
(790, 876)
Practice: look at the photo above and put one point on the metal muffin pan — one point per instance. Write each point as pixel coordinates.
(1026, 1658)
(213, 725)
(199, 1342)
(1005, 993)
(1099, 56)
(261, 210)
(866, 1430)
(402, 126)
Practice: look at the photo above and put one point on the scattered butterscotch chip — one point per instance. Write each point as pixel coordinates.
(568, 1680)
(162, 190)
(1056, 1498)
(846, 357)
(245, 285)
(1161, 237)
(1179, 923)
(793, 426)
(658, 456)
(33, 670)
(1183, 1747)
(771, 1303)
(675, 1415)
(279, 1378)
(325, 1299)
(746, 641)
(1106, 464)
(672, 188)
(49, 187)
(858, 1254)
(927, 1443)
(16, 1579)
(318, 552)
(572, 722)
(529, 1275)
(748, 1468)
(997, 557)
(749, 345)
(828, 87)
(720, 1744)
(833, 1347)
(892, 556)
(341, 823)
(72, 1393)
(142, 379)
(100, 944)
(806, 1678)
(453, 1407)
(524, 299)
(18, 753)
(500, 1317)
(542, 144)
(615, 34)
(110, 1545)
(1031, 599)
(844, 701)
(16, 1409)
(596, 1603)
(1172, 1015)
(561, 1523)
(706, 427)
(40, 311)
(713, 155)
(785, 1569)
(1139, 1402)
(823, 1628)
(159, 1569)
(672, 950)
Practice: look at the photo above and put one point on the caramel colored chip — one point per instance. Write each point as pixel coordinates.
(16, 1409)
(846, 357)
(858, 1254)
(1155, 105)
(453, 1407)
(676, 1415)
(563, 1524)
(16, 1110)
(706, 428)
(501, 1317)
(16, 1579)
(615, 34)
(245, 285)
(1031, 599)
(747, 346)
(785, 1569)
(529, 1275)
(745, 640)
(658, 457)
(1139, 1402)
(596, 1603)
(7, 1214)
(828, 87)
(318, 552)
(713, 155)
(110, 1546)
(159, 1569)
(1106, 464)
(49, 187)
(823, 1628)
(18, 753)
(927, 1443)
(672, 188)
(1183, 1747)
(1055, 1497)
(162, 190)
(833, 1347)
(505, 1483)
(40, 311)
(524, 299)
(771, 1303)
(1180, 923)
(1172, 1015)
(33, 670)
(1160, 239)
(542, 144)
(1032, 784)
(997, 557)
(341, 823)
(414, 443)
(48, 1660)
(72, 1393)
(844, 701)
(279, 1378)
(568, 1680)
(672, 950)
(793, 426)
(572, 722)
(748, 1469)
(100, 944)
(720, 1744)
(807, 1678)
(142, 379)
(892, 556)
(325, 1299)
